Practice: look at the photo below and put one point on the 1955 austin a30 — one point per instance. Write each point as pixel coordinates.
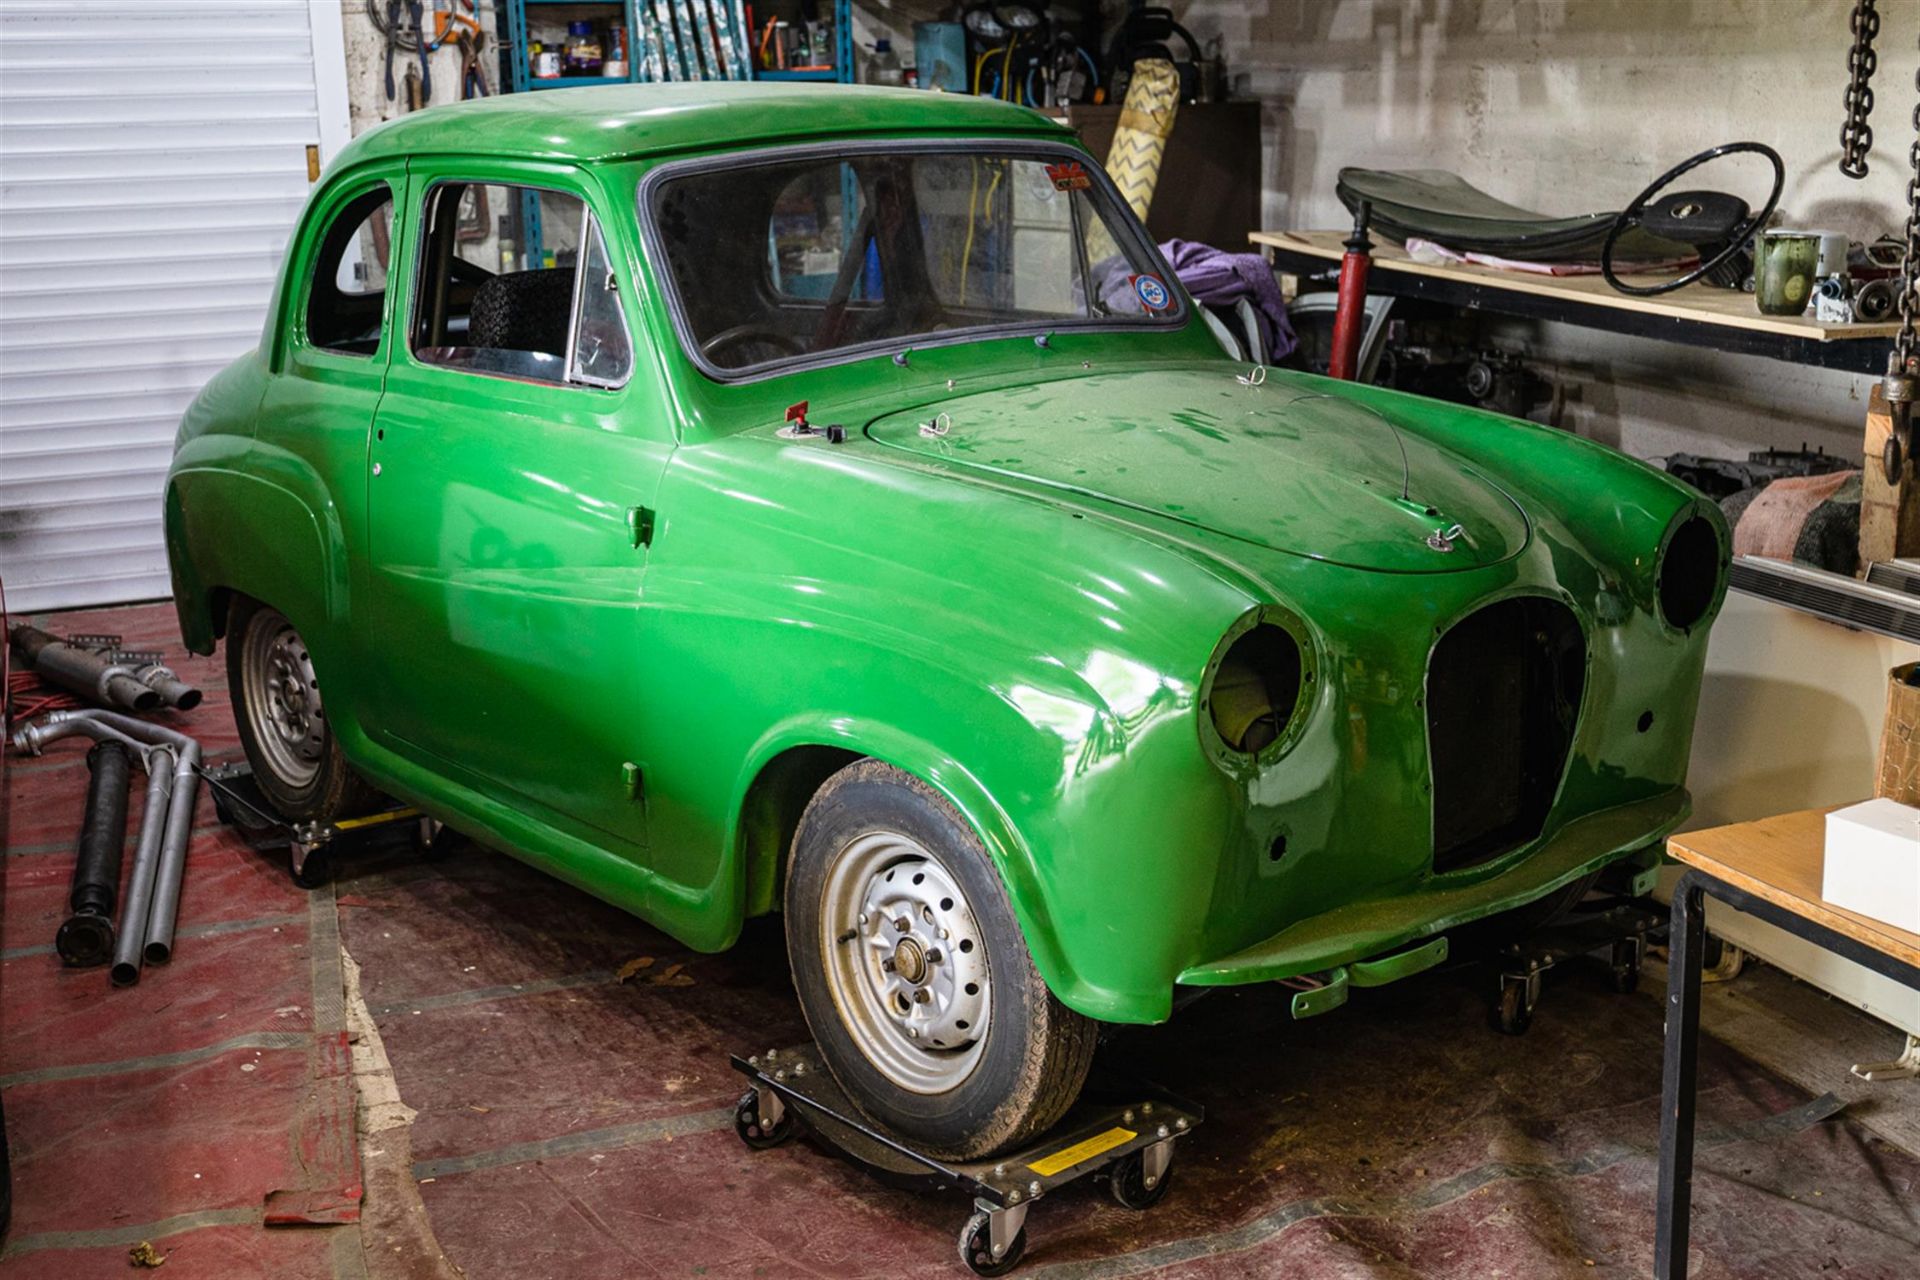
(1047, 661)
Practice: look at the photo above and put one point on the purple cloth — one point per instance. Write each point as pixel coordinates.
(1217, 278)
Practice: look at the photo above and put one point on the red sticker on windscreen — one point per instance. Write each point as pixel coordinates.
(1069, 175)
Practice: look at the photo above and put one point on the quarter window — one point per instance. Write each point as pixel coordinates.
(516, 281)
(346, 301)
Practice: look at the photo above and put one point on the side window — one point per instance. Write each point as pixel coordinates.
(348, 293)
(516, 281)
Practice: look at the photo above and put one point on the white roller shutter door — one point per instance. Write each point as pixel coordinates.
(153, 157)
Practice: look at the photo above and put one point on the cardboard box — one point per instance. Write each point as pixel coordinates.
(1873, 862)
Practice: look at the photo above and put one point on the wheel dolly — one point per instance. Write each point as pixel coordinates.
(239, 802)
(1123, 1135)
(1616, 927)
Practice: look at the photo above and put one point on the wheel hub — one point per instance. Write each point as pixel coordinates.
(906, 964)
(283, 700)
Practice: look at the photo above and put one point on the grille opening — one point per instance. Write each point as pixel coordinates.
(1255, 688)
(1503, 694)
(1689, 574)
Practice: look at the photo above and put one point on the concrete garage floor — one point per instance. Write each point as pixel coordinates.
(525, 1112)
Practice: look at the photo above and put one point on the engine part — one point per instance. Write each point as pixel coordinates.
(1721, 477)
(83, 671)
(1875, 300)
(86, 938)
(1833, 300)
(160, 855)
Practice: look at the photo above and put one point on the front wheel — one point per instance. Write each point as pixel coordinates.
(283, 726)
(913, 973)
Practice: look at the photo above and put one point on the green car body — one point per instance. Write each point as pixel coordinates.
(624, 633)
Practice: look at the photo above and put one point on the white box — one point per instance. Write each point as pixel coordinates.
(1873, 862)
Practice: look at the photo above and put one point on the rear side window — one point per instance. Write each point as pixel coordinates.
(516, 282)
(347, 297)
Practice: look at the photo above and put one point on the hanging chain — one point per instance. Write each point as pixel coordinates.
(1856, 135)
(1904, 342)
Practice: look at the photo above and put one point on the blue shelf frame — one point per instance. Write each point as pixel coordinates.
(842, 70)
(639, 15)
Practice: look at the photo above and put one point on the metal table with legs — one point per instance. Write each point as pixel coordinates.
(1769, 869)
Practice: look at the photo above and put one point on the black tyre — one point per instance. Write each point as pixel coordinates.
(913, 973)
(283, 726)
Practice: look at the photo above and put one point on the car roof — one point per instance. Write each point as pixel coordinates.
(608, 122)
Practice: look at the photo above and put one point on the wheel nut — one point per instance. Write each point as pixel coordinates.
(933, 956)
(902, 925)
(921, 996)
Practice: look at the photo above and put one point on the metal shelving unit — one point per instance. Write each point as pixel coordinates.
(686, 40)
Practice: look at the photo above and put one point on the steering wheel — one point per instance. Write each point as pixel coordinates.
(1636, 212)
(742, 334)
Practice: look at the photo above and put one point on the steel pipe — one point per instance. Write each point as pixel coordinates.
(86, 938)
(173, 691)
(148, 934)
(83, 671)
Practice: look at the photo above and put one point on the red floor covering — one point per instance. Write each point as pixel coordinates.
(572, 1125)
(183, 1109)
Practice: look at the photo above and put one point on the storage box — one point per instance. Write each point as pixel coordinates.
(1873, 862)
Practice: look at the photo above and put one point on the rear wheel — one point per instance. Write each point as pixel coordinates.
(283, 725)
(913, 973)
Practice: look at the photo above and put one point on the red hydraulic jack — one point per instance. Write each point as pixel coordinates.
(1350, 312)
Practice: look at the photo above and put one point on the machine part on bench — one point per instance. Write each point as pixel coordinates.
(86, 938)
(1904, 1067)
(994, 1240)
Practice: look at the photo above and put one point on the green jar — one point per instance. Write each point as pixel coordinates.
(1783, 263)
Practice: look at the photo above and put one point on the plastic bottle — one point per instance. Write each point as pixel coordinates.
(583, 55)
(884, 67)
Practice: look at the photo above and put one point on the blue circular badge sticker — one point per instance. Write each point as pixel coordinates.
(1153, 294)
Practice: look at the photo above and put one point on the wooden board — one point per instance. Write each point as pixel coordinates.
(1697, 302)
(1780, 859)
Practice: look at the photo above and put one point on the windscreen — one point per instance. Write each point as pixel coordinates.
(788, 260)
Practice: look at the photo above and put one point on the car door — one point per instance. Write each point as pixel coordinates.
(515, 455)
(330, 353)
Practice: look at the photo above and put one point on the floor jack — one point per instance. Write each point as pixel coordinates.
(1125, 1136)
(311, 846)
(1615, 928)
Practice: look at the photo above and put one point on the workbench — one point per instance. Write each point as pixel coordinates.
(1698, 315)
(1770, 869)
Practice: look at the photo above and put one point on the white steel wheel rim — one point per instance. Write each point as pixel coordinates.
(905, 961)
(283, 699)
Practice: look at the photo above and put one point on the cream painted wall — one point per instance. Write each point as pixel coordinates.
(1574, 105)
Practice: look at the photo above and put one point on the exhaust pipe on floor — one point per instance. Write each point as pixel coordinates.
(83, 671)
(173, 785)
(174, 692)
(86, 939)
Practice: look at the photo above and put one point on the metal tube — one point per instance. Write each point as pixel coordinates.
(173, 691)
(160, 904)
(173, 856)
(83, 671)
(86, 938)
(146, 861)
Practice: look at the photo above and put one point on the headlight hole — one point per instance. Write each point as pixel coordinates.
(1255, 689)
(1689, 574)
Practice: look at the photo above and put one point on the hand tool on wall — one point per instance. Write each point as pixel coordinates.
(1349, 315)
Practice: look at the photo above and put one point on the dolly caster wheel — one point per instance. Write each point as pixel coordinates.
(758, 1129)
(1626, 966)
(976, 1246)
(1133, 1187)
(1514, 1014)
(314, 871)
(430, 837)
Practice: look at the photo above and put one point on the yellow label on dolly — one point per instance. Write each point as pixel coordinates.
(1080, 1152)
